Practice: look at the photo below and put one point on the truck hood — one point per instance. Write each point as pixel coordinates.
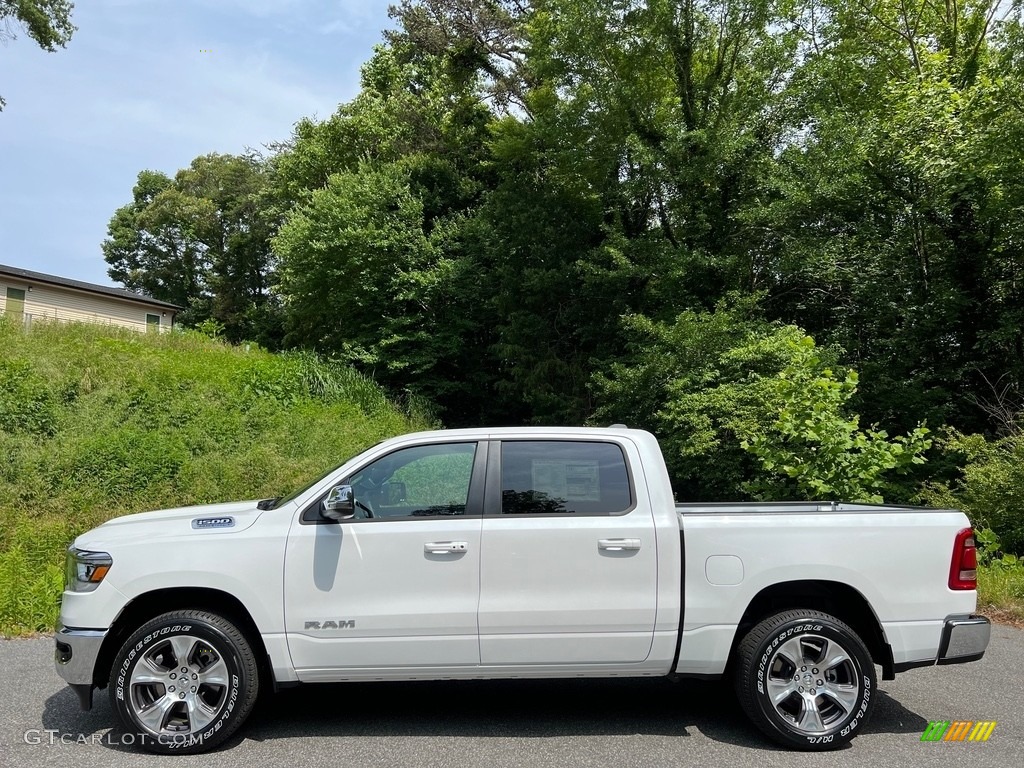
(200, 520)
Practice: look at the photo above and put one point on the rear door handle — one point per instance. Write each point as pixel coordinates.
(445, 547)
(619, 545)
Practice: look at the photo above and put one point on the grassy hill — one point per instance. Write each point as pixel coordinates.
(96, 422)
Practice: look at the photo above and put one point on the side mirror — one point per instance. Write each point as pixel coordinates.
(340, 503)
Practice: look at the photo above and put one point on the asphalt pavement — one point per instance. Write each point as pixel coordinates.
(618, 723)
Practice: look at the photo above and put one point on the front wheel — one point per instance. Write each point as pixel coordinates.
(806, 679)
(184, 682)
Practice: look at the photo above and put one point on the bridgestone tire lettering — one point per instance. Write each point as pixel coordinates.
(217, 633)
(756, 655)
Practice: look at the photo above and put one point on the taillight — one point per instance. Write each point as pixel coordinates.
(963, 568)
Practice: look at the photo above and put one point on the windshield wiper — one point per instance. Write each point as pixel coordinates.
(268, 503)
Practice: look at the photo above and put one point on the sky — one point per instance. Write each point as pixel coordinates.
(150, 85)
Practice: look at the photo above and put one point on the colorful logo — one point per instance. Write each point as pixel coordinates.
(958, 730)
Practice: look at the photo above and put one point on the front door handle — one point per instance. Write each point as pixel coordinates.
(619, 545)
(445, 547)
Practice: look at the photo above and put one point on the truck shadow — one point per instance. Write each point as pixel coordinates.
(482, 709)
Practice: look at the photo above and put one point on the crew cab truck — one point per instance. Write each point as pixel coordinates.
(500, 553)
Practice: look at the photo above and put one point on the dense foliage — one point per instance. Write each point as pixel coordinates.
(96, 423)
(991, 489)
(643, 211)
(200, 240)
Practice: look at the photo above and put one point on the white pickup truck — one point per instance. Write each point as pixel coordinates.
(500, 553)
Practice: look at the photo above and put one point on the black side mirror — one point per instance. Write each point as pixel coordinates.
(340, 503)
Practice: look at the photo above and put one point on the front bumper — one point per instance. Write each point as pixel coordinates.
(75, 659)
(964, 638)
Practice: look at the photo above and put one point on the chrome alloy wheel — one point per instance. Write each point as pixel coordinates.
(812, 682)
(178, 686)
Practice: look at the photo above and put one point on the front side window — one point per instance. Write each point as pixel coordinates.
(423, 481)
(563, 477)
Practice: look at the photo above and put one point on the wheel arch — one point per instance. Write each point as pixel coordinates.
(151, 604)
(832, 597)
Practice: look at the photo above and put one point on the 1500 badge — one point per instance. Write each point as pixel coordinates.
(213, 522)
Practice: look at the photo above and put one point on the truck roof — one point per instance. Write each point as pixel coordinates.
(483, 432)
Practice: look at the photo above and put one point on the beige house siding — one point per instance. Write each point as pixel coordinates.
(50, 302)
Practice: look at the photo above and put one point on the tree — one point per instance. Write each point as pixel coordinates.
(367, 281)
(896, 232)
(237, 238)
(700, 382)
(515, 177)
(813, 449)
(990, 487)
(48, 22)
(153, 252)
(382, 258)
(202, 241)
(347, 257)
(747, 407)
(683, 103)
(624, 184)
(483, 40)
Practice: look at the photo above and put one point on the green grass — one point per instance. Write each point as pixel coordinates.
(97, 422)
(1001, 592)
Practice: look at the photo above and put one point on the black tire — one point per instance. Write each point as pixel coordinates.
(806, 680)
(218, 666)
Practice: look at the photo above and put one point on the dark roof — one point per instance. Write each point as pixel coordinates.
(105, 290)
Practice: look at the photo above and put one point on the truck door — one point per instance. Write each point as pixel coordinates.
(569, 564)
(399, 585)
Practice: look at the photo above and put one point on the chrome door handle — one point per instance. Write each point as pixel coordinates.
(445, 547)
(619, 545)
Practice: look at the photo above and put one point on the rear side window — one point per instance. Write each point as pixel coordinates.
(563, 477)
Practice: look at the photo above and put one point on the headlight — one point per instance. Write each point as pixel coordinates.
(83, 571)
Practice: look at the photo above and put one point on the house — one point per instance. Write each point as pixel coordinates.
(34, 296)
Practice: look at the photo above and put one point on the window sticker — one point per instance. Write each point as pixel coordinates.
(577, 480)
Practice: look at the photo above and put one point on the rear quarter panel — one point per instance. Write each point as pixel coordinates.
(897, 559)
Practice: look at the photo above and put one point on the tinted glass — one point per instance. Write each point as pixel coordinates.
(557, 477)
(425, 481)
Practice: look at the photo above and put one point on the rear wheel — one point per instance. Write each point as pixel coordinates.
(184, 682)
(806, 679)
